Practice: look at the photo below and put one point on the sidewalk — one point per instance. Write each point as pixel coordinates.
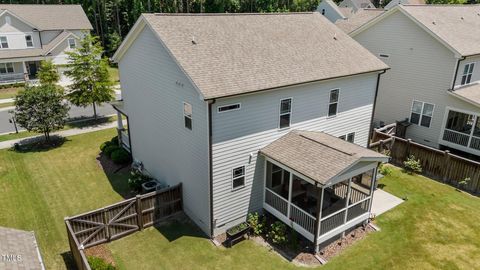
(63, 133)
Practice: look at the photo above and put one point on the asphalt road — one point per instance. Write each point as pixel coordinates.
(75, 112)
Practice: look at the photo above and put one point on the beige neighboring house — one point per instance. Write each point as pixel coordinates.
(394, 3)
(356, 4)
(31, 33)
(358, 19)
(335, 13)
(433, 87)
(249, 118)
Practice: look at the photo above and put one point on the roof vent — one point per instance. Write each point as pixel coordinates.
(433, 22)
(461, 18)
(193, 40)
(335, 36)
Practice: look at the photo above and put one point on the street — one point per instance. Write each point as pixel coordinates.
(75, 112)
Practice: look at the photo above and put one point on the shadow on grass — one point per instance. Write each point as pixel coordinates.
(38, 144)
(68, 260)
(178, 227)
(87, 121)
(117, 176)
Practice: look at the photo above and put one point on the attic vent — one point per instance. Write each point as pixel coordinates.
(384, 55)
(8, 20)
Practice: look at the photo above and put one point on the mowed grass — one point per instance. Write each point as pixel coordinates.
(436, 228)
(113, 71)
(9, 92)
(39, 189)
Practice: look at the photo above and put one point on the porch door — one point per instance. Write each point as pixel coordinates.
(32, 70)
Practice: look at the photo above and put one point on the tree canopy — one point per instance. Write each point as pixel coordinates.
(47, 73)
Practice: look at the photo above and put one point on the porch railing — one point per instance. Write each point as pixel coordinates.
(456, 137)
(276, 201)
(8, 78)
(332, 221)
(302, 218)
(358, 209)
(475, 143)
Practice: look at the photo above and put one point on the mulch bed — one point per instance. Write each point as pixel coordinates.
(350, 238)
(101, 251)
(109, 166)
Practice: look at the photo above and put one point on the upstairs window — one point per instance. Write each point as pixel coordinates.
(29, 41)
(3, 42)
(238, 177)
(467, 73)
(333, 104)
(6, 68)
(187, 115)
(422, 113)
(285, 112)
(72, 44)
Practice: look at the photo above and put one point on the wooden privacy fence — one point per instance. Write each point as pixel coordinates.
(120, 219)
(438, 164)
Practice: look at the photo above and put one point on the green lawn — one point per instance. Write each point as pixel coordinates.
(9, 92)
(4, 105)
(114, 74)
(436, 228)
(38, 189)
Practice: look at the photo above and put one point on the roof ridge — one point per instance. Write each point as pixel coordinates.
(326, 145)
(231, 14)
(40, 5)
(440, 5)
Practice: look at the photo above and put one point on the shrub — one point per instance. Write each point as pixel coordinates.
(110, 149)
(104, 145)
(293, 240)
(385, 170)
(464, 183)
(120, 156)
(412, 165)
(114, 140)
(99, 264)
(257, 223)
(137, 178)
(278, 233)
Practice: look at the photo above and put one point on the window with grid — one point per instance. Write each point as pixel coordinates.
(29, 41)
(187, 115)
(3, 42)
(6, 68)
(422, 113)
(467, 73)
(333, 103)
(238, 177)
(72, 44)
(285, 112)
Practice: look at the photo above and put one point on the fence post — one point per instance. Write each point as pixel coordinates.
(374, 136)
(381, 146)
(105, 222)
(138, 209)
(407, 149)
(446, 166)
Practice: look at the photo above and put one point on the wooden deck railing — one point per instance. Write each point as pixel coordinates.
(118, 220)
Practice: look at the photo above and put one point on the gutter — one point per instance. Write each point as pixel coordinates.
(456, 72)
(210, 163)
(370, 131)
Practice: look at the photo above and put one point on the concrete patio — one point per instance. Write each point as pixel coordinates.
(383, 202)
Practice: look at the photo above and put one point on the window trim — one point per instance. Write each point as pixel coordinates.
(344, 137)
(186, 116)
(467, 74)
(230, 110)
(280, 114)
(1, 44)
(31, 40)
(421, 113)
(243, 175)
(74, 43)
(330, 103)
(6, 69)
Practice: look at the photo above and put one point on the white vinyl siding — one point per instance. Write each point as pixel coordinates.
(153, 90)
(237, 139)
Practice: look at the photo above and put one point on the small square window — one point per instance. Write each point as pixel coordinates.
(72, 44)
(187, 115)
(351, 137)
(3, 42)
(238, 177)
(29, 41)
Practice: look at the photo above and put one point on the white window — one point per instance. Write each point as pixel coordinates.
(187, 115)
(350, 137)
(467, 73)
(238, 177)
(231, 107)
(3, 42)
(72, 44)
(422, 113)
(29, 41)
(6, 68)
(285, 112)
(333, 103)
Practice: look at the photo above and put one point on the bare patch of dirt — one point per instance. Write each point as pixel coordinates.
(101, 251)
(336, 247)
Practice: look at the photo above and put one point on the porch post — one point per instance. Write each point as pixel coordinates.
(349, 189)
(373, 183)
(25, 71)
(119, 120)
(264, 179)
(289, 193)
(318, 221)
(472, 131)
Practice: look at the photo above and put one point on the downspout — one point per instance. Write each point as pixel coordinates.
(456, 72)
(210, 163)
(129, 135)
(374, 107)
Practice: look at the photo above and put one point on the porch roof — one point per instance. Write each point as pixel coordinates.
(469, 93)
(119, 106)
(318, 155)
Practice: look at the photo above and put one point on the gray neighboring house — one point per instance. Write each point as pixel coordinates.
(253, 112)
(347, 15)
(395, 3)
(358, 19)
(31, 33)
(433, 87)
(356, 4)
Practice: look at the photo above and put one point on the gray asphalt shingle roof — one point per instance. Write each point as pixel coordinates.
(469, 92)
(317, 155)
(358, 19)
(51, 17)
(241, 53)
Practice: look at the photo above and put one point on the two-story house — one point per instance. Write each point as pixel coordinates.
(346, 9)
(253, 112)
(434, 55)
(31, 33)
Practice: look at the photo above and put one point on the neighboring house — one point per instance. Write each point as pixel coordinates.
(236, 111)
(336, 14)
(434, 55)
(31, 33)
(394, 3)
(358, 19)
(356, 4)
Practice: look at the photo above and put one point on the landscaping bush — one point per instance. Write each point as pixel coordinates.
(114, 140)
(464, 183)
(110, 149)
(412, 165)
(385, 170)
(257, 223)
(120, 156)
(104, 145)
(137, 178)
(99, 264)
(278, 233)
